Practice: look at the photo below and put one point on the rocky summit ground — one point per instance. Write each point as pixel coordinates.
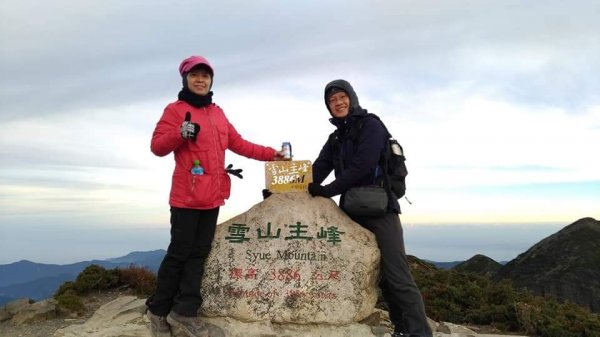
(94, 301)
(47, 328)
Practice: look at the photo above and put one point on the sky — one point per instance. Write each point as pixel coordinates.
(496, 103)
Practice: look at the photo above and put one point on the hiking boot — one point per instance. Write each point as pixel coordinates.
(158, 325)
(193, 326)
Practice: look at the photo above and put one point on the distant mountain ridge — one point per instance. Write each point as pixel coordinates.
(565, 265)
(444, 265)
(39, 280)
(479, 264)
(36, 289)
(140, 257)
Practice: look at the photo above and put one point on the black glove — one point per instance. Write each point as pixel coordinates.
(188, 129)
(266, 193)
(317, 190)
(235, 172)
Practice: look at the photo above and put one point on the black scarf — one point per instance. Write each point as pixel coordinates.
(195, 100)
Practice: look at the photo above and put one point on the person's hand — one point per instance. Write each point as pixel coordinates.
(188, 129)
(266, 193)
(316, 190)
(235, 172)
(279, 156)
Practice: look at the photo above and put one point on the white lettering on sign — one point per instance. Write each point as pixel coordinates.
(288, 176)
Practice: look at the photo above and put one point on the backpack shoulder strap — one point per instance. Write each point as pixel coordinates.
(384, 157)
(333, 139)
(374, 116)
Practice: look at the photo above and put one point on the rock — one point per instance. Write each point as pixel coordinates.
(433, 325)
(455, 329)
(123, 316)
(496, 335)
(292, 259)
(17, 305)
(442, 328)
(236, 328)
(4, 315)
(36, 312)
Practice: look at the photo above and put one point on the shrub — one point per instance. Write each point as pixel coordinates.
(548, 318)
(67, 287)
(95, 277)
(141, 279)
(98, 278)
(92, 278)
(70, 301)
(461, 298)
(67, 298)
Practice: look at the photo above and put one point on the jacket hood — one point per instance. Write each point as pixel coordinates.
(344, 85)
(355, 110)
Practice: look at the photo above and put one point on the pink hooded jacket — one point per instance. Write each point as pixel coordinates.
(216, 135)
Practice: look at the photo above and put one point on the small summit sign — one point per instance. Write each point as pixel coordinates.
(288, 176)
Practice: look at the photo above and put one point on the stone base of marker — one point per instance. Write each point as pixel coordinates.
(292, 259)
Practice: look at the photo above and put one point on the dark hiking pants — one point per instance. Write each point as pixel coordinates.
(406, 308)
(180, 273)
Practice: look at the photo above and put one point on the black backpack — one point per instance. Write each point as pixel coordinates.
(391, 160)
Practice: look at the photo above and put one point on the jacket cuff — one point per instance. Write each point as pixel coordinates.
(329, 191)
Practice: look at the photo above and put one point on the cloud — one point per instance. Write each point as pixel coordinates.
(495, 102)
(75, 55)
(491, 94)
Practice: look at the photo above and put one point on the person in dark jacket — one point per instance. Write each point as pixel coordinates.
(354, 159)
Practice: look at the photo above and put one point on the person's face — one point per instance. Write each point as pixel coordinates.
(198, 81)
(339, 104)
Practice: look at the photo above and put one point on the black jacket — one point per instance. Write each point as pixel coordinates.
(359, 150)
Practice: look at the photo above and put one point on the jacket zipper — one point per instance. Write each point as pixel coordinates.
(217, 148)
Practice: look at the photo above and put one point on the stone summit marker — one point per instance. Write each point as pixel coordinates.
(292, 258)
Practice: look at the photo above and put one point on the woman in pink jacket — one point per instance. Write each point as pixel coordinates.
(195, 130)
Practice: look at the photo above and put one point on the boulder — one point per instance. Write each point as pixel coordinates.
(292, 259)
(455, 329)
(17, 305)
(4, 315)
(123, 316)
(35, 312)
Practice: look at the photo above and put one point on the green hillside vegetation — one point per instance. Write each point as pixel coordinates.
(469, 298)
(96, 278)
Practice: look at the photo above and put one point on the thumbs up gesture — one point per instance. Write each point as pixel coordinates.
(189, 130)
